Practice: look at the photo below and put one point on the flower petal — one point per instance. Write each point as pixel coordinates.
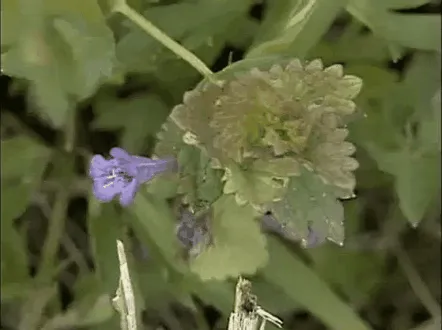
(105, 192)
(120, 153)
(130, 168)
(98, 166)
(128, 193)
(125, 161)
(150, 167)
(139, 159)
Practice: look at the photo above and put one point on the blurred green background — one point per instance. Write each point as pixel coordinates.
(77, 80)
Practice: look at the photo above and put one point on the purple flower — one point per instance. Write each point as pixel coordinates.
(122, 174)
(193, 234)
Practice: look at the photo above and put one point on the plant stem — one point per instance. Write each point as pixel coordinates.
(152, 30)
(55, 231)
(417, 284)
(57, 220)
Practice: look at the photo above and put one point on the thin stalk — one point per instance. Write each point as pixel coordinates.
(57, 219)
(55, 232)
(122, 8)
(417, 284)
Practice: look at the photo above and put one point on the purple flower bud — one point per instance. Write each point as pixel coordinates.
(122, 174)
(192, 234)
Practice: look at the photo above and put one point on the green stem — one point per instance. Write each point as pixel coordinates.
(417, 284)
(55, 232)
(163, 38)
(57, 219)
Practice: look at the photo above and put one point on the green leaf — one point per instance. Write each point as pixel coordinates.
(246, 65)
(238, 246)
(295, 26)
(199, 182)
(158, 282)
(92, 50)
(164, 185)
(288, 273)
(213, 292)
(401, 4)
(363, 269)
(272, 297)
(154, 282)
(417, 178)
(430, 126)
(154, 221)
(32, 313)
(252, 186)
(9, 22)
(87, 289)
(209, 183)
(379, 82)
(310, 203)
(421, 81)
(421, 90)
(218, 23)
(389, 104)
(14, 257)
(16, 289)
(105, 227)
(202, 27)
(352, 47)
(180, 290)
(383, 118)
(23, 159)
(419, 31)
(170, 140)
(357, 275)
(23, 162)
(368, 175)
(80, 316)
(46, 88)
(138, 117)
(194, 114)
(412, 158)
(279, 167)
(297, 110)
(64, 53)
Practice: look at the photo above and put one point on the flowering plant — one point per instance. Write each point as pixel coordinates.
(287, 141)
